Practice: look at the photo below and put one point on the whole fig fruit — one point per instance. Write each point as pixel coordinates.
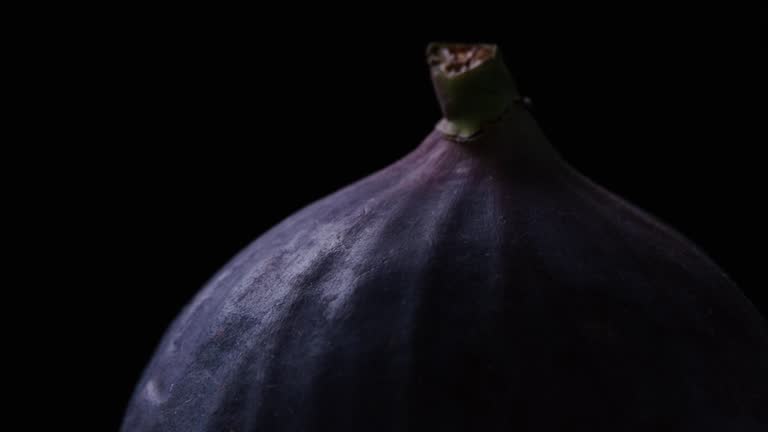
(478, 284)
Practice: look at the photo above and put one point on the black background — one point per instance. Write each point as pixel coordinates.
(195, 130)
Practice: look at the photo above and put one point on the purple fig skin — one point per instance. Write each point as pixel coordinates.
(471, 286)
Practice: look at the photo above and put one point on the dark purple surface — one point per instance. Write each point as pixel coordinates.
(478, 286)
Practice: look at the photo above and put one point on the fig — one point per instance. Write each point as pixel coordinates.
(480, 283)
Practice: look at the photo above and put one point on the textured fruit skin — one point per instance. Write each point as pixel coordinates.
(478, 286)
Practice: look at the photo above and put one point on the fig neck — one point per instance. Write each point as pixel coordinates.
(472, 85)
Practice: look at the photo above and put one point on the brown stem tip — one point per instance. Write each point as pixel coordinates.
(456, 59)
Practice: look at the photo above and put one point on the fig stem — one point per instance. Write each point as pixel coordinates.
(472, 85)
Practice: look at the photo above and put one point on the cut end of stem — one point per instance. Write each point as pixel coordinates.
(472, 85)
(453, 59)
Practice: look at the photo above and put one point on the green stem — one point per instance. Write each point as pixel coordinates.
(471, 94)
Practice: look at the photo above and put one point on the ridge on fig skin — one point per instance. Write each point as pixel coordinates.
(465, 287)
